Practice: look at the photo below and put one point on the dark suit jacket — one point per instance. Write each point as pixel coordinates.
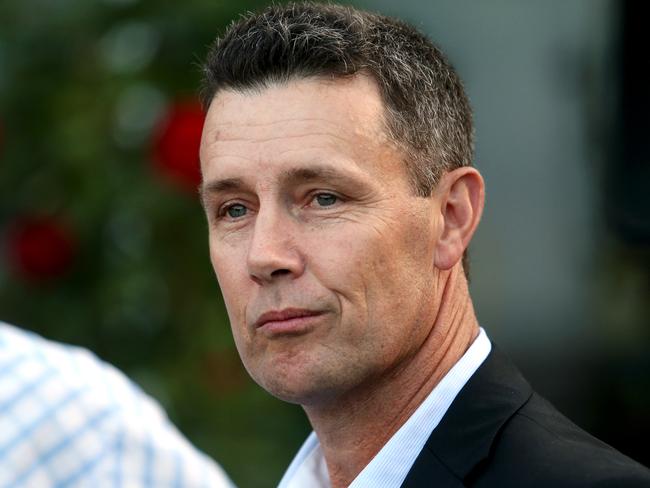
(499, 433)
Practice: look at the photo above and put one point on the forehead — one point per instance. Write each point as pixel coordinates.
(303, 120)
(339, 100)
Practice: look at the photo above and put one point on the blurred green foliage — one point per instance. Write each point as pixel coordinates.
(83, 85)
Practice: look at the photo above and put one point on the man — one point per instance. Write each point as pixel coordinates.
(70, 420)
(336, 159)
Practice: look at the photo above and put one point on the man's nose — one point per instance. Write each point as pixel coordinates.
(274, 248)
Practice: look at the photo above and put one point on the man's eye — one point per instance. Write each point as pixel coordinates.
(326, 199)
(235, 211)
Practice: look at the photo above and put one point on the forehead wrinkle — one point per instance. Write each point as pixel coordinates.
(256, 123)
(223, 129)
(257, 140)
(316, 126)
(244, 152)
(239, 143)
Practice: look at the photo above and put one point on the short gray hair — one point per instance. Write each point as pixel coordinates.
(428, 115)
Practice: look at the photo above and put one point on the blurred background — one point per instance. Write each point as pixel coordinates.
(103, 242)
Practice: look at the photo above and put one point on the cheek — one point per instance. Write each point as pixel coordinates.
(337, 260)
(231, 276)
(351, 265)
(393, 269)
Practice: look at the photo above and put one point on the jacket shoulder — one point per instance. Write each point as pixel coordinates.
(499, 433)
(539, 446)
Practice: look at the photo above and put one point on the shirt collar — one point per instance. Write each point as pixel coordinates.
(393, 462)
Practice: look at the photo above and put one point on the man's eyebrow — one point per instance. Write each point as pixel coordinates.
(222, 185)
(217, 186)
(293, 175)
(310, 173)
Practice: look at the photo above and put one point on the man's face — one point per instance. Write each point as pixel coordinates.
(322, 251)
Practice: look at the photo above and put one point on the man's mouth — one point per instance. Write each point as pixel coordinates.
(287, 321)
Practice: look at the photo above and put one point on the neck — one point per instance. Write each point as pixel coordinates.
(353, 429)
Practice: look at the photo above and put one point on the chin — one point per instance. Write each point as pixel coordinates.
(280, 391)
(300, 389)
(298, 375)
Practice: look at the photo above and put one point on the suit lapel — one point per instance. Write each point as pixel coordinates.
(466, 432)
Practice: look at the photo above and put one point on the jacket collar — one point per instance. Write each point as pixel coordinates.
(465, 434)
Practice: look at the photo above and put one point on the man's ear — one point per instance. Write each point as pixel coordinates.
(461, 193)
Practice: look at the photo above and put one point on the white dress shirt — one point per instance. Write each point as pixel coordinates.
(68, 419)
(389, 467)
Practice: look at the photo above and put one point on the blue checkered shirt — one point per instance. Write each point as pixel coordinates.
(68, 419)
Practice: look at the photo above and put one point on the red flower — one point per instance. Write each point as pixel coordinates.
(40, 248)
(176, 144)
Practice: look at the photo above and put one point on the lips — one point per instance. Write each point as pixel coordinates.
(289, 320)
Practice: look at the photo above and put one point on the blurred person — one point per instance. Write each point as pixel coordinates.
(68, 419)
(341, 198)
